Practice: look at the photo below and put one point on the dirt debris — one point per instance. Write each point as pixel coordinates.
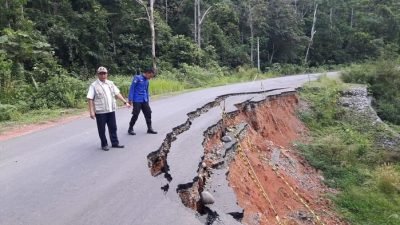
(272, 182)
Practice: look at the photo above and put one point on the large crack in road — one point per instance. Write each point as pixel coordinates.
(157, 160)
(190, 191)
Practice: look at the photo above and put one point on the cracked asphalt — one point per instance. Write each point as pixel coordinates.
(60, 176)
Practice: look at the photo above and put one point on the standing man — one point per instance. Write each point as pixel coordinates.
(139, 99)
(102, 106)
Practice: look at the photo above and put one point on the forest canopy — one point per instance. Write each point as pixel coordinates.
(62, 42)
(80, 35)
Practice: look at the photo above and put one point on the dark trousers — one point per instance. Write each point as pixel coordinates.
(109, 119)
(137, 107)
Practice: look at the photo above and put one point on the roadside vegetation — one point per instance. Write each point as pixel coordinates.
(49, 50)
(349, 150)
(23, 103)
(383, 79)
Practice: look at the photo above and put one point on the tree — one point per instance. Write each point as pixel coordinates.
(256, 10)
(12, 13)
(313, 31)
(286, 38)
(150, 18)
(199, 19)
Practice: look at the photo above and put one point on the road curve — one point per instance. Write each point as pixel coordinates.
(60, 176)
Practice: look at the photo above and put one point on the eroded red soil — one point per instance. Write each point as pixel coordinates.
(272, 182)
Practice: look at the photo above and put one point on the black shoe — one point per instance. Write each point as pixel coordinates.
(118, 146)
(151, 131)
(105, 148)
(131, 132)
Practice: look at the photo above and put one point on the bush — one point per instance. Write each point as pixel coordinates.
(387, 179)
(383, 79)
(5, 77)
(323, 97)
(361, 74)
(6, 111)
(195, 76)
(60, 91)
(348, 152)
(363, 205)
(123, 83)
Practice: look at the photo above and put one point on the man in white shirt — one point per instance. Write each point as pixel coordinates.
(102, 106)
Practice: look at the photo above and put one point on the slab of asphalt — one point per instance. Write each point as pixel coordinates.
(60, 176)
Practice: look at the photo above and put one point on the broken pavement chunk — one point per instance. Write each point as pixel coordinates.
(207, 198)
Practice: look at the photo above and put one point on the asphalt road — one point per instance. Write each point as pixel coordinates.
(61, 176)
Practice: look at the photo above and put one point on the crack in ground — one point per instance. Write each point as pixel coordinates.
(191, 193)
(157, 160)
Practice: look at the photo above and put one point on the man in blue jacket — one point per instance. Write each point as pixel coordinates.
(139, 99)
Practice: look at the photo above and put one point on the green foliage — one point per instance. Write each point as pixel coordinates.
(60, 91)
(11, 13)
(348, 152)
(195, 76)
(220, 31)
(287, 41)
(323, 96)
(32, 51)
(364, 205)
(182, 50)
(6, 112)
(123, 83)
(291, 69)
(387, 179)
(6, 82)
(83, 35)
(245, 74)
(161, 86)
(383, 79)
(357, 73)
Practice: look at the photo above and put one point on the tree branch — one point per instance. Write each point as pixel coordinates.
(142, 18)
(204, 15)
(145, 7)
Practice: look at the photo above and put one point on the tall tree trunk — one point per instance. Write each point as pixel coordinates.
(351, 18)
(22, 11)
(6, 6)
(258, 54)
(150, 19)
(113, 43)
(312, 34)
(251, 36)
(272, 54)
(195, 20)
(198, 24)
(166, 11)
(153, 35)
(200, 19)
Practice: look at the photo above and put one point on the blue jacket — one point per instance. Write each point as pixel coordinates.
(139, 90)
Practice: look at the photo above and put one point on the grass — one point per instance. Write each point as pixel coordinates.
(162, 86)
(37, 117)
(346, 148)
(169, 83)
